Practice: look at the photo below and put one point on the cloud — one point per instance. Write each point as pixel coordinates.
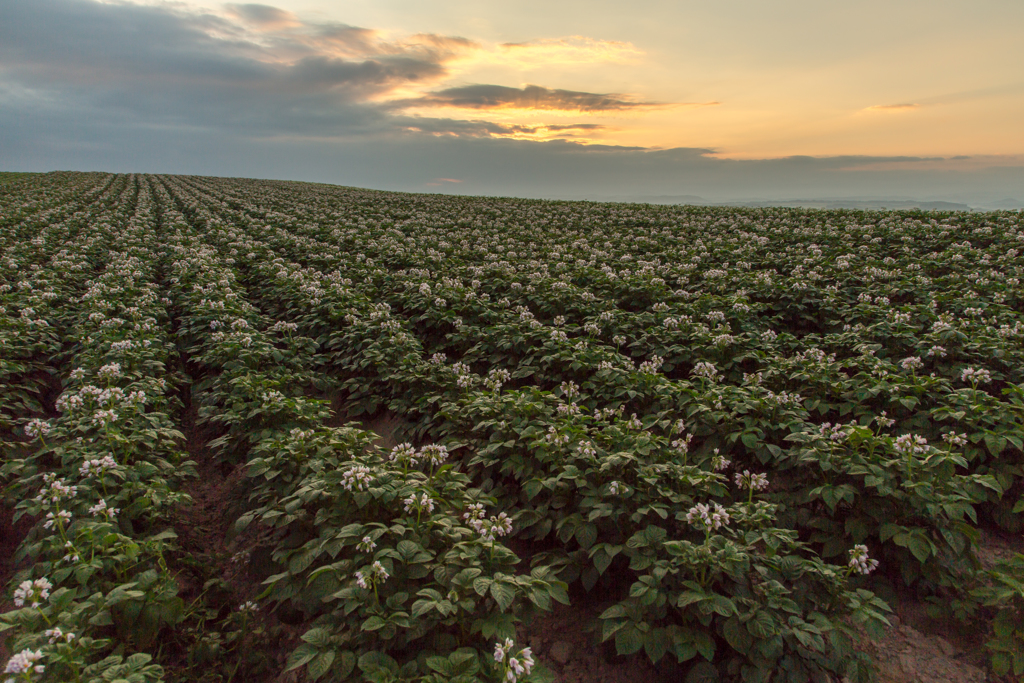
(263, 16)
(257, 71)
(960, 163)
(892, 107)
(491, 129)
(530, 97)
(568, 50)
(255, 91)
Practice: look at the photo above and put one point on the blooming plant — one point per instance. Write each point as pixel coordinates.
(732, 422)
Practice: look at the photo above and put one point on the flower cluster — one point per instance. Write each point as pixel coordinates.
(24, 665)
(496, 378)
(420, 503)
(976, 376)
(32, 592)
(753, 482)
(488, 529)
(707, 517)
(910, 444)
(515, 666)
(860, 562)
(356, 478)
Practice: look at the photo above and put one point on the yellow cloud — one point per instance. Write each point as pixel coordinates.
(894, 108)
(568, 50)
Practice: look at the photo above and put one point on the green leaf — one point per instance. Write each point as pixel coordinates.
(300, 655)
(374, 623)
(586, 534)
(723, 605)
(995, 443)
(736, 635)
(503, 594)
(920, 547)
(319, 666)
(318, 637)
(421, 607)
(762, 625)
(705, 645)
(656, 644)
(441, 665)
(628, 640)
(602, 560)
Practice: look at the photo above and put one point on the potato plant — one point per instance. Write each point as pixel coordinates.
(739, 425)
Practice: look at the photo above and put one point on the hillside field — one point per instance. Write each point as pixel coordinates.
(260, 431)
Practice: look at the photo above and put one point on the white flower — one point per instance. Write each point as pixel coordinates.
(420, 503)
(496, 378)
(706, 370)
(976, 376)
(25, 663)
(911, 363)
(435, 454)
(754, 482)
(366, 545)
(859, 560)
(570, 390)
(37, 428)
(911, 444)
(109, 371)
(32, 592)
(651, 367)
(100, 509)
(55, 634)
(356, 478)
(62, 518)
(97, 466)
(403, 453)
(500, 525)
(954, 439)
(515, 666)
(707, 517)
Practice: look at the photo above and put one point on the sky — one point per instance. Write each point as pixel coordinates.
(726, 100)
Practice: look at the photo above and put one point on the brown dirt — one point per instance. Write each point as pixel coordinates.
(560, 641)
(388, 426)
(918, 649)
(11, 536)
(204, 528)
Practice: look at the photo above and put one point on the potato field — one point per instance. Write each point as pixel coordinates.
(741, 434)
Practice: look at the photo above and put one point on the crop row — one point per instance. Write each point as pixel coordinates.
(739, 425)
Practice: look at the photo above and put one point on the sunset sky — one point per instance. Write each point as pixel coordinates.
(728, 100)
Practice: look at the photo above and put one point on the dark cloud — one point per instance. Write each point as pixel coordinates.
(530, 97)
(122, 87)
(479, 129)
(262, 15)
(159, 66)
(155, 66)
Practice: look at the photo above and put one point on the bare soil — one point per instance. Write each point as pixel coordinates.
(11, 536)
